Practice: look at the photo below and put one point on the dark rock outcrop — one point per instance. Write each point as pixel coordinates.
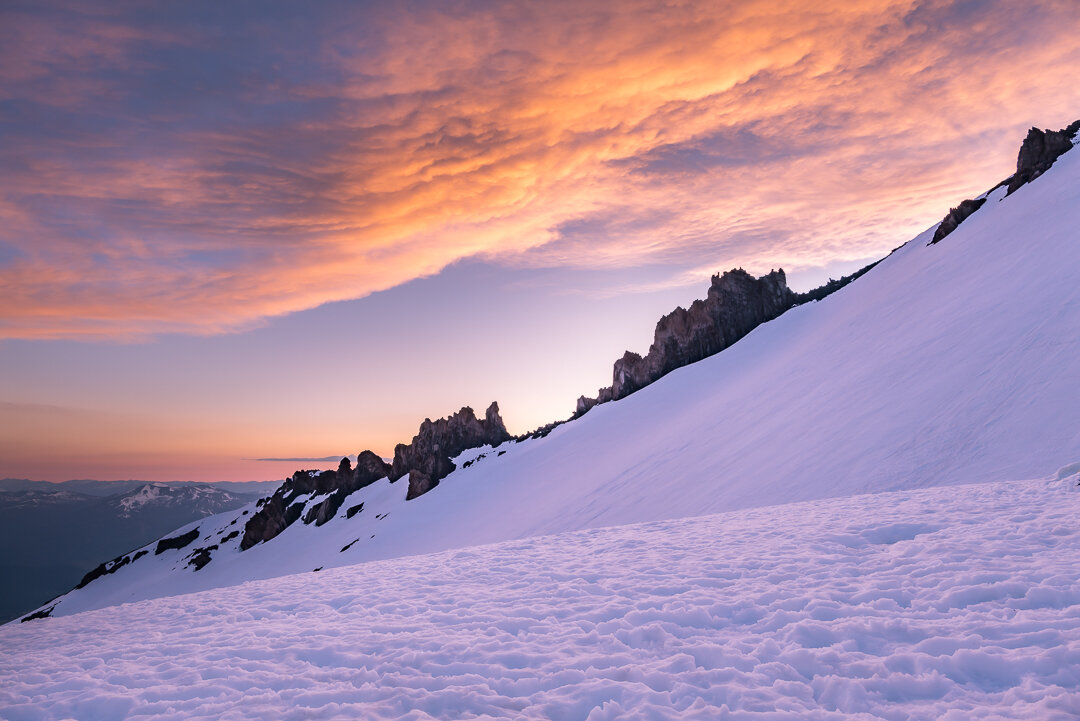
(427, 458)
(119, 562)
(280, 511)
(825, 290)
(369, 468)
(736, 304)
(583, 406)
(345, 467)
(955, 217)
(419, 484)
(1039, 151)
(268, 522)
(201, 556)
(44, 613)
(104, 569)
(322, 512)
(166, 544)
(542, 431)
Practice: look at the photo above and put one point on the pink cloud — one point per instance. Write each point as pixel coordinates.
(692, 138)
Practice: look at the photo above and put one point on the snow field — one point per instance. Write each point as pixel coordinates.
(950, 603)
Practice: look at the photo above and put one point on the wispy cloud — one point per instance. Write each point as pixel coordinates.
(199, 167)
(324, 459)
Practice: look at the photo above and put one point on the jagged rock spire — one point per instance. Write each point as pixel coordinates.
(427, 458)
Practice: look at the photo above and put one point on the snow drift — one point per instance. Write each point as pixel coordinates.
(947, 603)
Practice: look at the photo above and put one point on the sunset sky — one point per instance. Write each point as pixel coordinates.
(245, 230)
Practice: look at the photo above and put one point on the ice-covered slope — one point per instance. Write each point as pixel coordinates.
(953, 603)
(946, 364)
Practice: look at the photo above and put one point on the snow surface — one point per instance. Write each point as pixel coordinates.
(953, 603)
(949, 364)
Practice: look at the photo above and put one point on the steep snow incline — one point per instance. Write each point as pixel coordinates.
(949, 364)
(949, 603)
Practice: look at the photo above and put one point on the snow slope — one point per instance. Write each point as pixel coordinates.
(953, 603)
(947, 364)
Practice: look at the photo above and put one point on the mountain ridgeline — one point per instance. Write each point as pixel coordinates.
(281, 510)
(735, 304)
(820, 377)
(426, 461)
(1037, 153)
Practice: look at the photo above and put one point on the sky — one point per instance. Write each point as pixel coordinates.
(248, 230)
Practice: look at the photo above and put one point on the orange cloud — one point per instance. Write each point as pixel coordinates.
(689, 136)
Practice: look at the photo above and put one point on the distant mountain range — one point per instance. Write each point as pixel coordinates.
(52, 534)
(110, 488)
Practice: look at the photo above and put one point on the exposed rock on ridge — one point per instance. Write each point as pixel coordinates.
(583, 405)
(279, 511)
(736, 304)
(833, 285)
(169, 544)
(955, 217)
(369, 468)
(427, 458)
(1039, 151)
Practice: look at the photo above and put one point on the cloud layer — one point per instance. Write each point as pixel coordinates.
(199, 167)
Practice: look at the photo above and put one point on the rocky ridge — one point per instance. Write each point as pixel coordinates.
(735, 304)
(955, 217)
(426, 461)
(427, 458)
(279, 511)
(1039, 151)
